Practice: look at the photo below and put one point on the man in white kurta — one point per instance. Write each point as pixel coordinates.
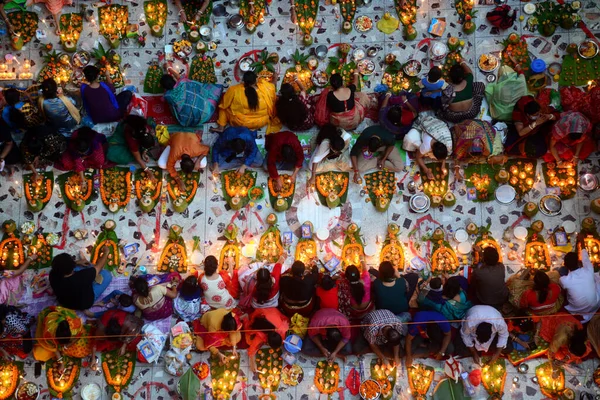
(484, 315)
(582, 286)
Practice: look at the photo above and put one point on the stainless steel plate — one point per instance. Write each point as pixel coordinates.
(588, 182)
(506, 194)
(550, 205)
(419, 203)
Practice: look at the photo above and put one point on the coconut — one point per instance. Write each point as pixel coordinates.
(537, 226)
(469, 27)
(236, 203)
(146, 204)
(588, 224)
(547, 29)
(17, 43)
(567, 21)
(194, 36)
(333, 200)
(35, 205)
(572, 49)
(472, 229)
(393, 228)
(502, 176)
(113, 207)
(271, 219)
(514, 38)
(69, 46)
(175, 232)
(9, 226)
(438, 234)
(409, 33)
(156, 30)
(77, 205)
(530, 209)
(382, 204)
(280, 205)
(346, 27)
(352, 228)
(436, 200)
(180, 205)
(449, 199)
(201, 47)
(595, 205)
(390, 58)
(114, 41)
(453, 43)
(250, 28)
(307, 40)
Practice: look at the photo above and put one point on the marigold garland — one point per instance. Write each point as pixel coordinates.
(18, 246)
(484, 243)
(270, 247)
(327, 377)
(306, 250)
(326, 183)
(419, 379)
(112, 380)
(245, 181)
(189, 198)
(112, 175)
(155, 190)
(12, 372)
(72, 182)
(114, 250)
(47, 194)
(448, 254)
(393, 253)
(68, 385)
(226, 252)
(541, 262)
(287, 189)
(352, 253)
(173, 249)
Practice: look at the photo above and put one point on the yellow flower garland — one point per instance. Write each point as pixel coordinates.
(111, 381)
(68, 385)
(45, 199)
(12, 372)
(69, 190)
(121, 203)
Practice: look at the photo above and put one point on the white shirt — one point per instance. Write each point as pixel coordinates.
(425, 147)
(324, 148)
(582, 287)
(477, 315)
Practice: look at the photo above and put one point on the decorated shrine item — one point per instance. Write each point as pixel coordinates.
(563, 177)
(114, 20)
(578, 71)
(38, 244)
(516, 52)
(407, 12)
(481, 179)
(530, 209)
(306, 249)
(269, 364)
(353, 250)
(385, 376)
(435, 189)
(202, 69)
(327, 377)
(453, 58)
(264, 66)
(420, 377)
(494, 377)
(591, 240)
(224, 376)
(534, 351)
(118, 369)
(392, 248)
(147, 191)
(25, 24)
(252, 17)
(396, 78)
(109, 61)
(466, 14)
(201, 370)
(39, 192)
(181, 200)
(231, 249)
(485, 240)
(9, 378)
(551, 379)
(11, 247)
(156, 16)
(71, 26)
(194, 19)
(282, 200)
(306, 15)
(348, 10)
(109, 238)
(537, 256)
(345, 69)
(551, 15)
(174, 255)
(152, 80)
(57, 67)
(522, 175)
(381, 187)
(236, 187)
(61, 383)
(75, 196)
(115, 187)
(270, 247)
(292, 375)
(332, 188)
(301, 71)
(443, 258)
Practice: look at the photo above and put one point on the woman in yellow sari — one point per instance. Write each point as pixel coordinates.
(61, 332)
(250, 104)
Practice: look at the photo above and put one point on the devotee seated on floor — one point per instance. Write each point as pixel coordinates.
(188, 304)
(192, 103)
(484, 330)
(61, 112)
(284, 153)
(154, 302)
(187, 149)
(118, 329)
(265, 326)
(329, 334)
(571, 139)
(331, 151)
(488, 279)
(216, 329)
(297, 289)
(429, 334)
(375, 148)
(99, 99)
(539, 294)
(217, 286)
(236, 148)
(133, 141)
(451, 301)
(15, 329)
(41, 147)
(432, 87)
(398, 112)
(383, 332)
(465, 98)
(566, 336)
(86, 149)
(295, 111)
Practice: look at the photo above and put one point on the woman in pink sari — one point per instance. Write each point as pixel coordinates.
(571, 138)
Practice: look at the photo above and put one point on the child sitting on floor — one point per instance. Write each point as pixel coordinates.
(431, 88)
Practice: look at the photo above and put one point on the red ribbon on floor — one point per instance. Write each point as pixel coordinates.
(65, 230)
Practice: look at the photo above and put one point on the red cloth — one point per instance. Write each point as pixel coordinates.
(159, 110)
(233, 284)
(529, 299)
(71, 160)
(255, 339)
(273, 144)
(328, 298)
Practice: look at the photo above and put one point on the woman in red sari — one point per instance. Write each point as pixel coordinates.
(117, 328)
(216, 329)
(571, 138)
(566, 336)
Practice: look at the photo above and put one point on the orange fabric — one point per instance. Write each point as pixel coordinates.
(256, 339)
(184, 143)
(233, 284)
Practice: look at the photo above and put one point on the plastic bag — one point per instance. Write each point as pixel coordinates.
(299, 325)
(162, 135)
(175, 363)
(504, 94)
(138, 106)
(151, 345)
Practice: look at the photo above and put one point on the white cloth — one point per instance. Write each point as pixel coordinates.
(216, 293)
(425, 147)
(583, 289)
(477, 315)
(319, 156)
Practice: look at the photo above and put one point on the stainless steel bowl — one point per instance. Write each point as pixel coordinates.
(219, 10)
(419, 203)
(372, 51)
(321, 51)
(588, 182)
(550, 205)
(236, 22)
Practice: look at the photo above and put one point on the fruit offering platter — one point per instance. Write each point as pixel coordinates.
(118, 369)
(443, 258)
(385, 376)
(397, 79)
(300, 73)
(201, 370)
(147, 189)
(550, 15)
(592, 245)
(484, 240)
(562, 176)
(306, 15)
(381, 187)
(282, 200)
(109, 238)
(202, 69)
(292, 375)
(57, 66)
(179, 199)
(174, 255)
(71, 26)
(453, 58)
(551, 379)
(420, 377)
(269, 363)
(522, 175)
(348, 10)
(236, 187)
(224, 376)
(231, 249)
(62, 382)
(253, 14)
(516, 52)
(25, 24)
(9, 378)
(270, 247)
(332, 188)
(76, 195)
(115, 188)
(481, 182)
(534, 351)
(407, 13)
(493, 377)
(353, 251)
(576, 70)
(114, 20)
(306, 249)
(466, 14)
(39, 192)
(152, 80)
(38, 244)
(327, 377)
(345, 69)
(392, 250)
(11, 247)
(437, 187)
(109, 61)
(156, 16)
(537, 256)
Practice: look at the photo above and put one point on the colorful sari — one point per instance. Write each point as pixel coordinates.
(558, 330)
(161, 310)
(571, 121)
(534, 144)
(209, 335)
(348, 120)
(16, 332)
(46, 344)
(131, 328)
(408, 116)
(193, 103)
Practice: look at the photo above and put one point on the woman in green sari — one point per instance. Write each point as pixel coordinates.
(131, 142)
